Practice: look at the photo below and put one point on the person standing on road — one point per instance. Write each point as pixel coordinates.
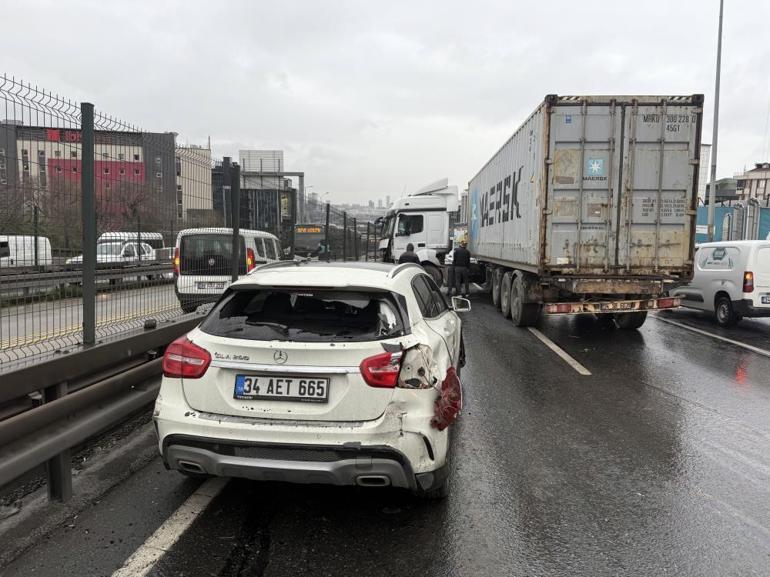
(409, 255)
(461, 263)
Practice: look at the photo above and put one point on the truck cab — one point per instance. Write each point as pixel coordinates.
(421, 219)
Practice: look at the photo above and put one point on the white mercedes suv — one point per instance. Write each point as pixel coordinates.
(312, 372)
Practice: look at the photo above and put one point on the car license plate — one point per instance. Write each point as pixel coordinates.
(766, 299)
(282, 388)
(211, 286)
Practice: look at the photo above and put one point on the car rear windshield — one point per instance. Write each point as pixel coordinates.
(305, 315)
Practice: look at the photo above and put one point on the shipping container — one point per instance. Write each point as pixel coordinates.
(591, 196)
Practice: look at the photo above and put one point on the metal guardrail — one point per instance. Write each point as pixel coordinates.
(10, 282)
(71, 413)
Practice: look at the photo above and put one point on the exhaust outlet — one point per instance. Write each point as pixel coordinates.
(190, 467)
(373, 480)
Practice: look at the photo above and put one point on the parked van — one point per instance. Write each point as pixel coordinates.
(203, 265)
(731, 278)
(19, 251)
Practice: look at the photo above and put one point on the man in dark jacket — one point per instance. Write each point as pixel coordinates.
(461, 264)
(409, 255)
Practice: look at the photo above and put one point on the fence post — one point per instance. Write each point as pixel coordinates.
(58, 468)
(367, 241)
(326, 236)
(139, 236)
(355, 238)
(344, 235)
(89, 223)
(235, 201)
(35, 223)
(294, 213)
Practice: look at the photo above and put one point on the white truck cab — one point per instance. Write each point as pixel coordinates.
(421, 219)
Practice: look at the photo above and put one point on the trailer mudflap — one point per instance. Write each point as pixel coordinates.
(604, 307)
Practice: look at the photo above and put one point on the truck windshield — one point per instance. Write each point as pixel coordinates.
(387, 227)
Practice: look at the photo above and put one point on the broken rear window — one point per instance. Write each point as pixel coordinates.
(312, 315)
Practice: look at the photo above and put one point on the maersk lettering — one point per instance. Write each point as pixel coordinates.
(501, 202)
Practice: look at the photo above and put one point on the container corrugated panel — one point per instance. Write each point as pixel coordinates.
(608, 188)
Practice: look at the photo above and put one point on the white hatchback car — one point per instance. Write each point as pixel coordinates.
(313, 372)
(731, 278)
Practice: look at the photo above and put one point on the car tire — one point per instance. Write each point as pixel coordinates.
(435, 272)
(724, 312)
(188, 308)
(630, 321)
(505, 295)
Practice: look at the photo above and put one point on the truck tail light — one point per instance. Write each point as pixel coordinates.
(250, 260)
(176, 262)
(381, 370)
(186, 360)
(668, 303)
(748, 282)
(558, 308)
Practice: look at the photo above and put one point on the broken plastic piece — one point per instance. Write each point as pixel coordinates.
(449, 403)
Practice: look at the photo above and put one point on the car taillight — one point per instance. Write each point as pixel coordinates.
(381, 370)
(250, 260)
(748, 282)
(176, 262)
(184, 359)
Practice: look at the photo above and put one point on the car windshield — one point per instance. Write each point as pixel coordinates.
(312, 315)
(109, 249)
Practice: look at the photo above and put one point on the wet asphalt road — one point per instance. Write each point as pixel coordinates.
(657, 463)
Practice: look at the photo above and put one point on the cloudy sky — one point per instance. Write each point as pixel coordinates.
(375, 98)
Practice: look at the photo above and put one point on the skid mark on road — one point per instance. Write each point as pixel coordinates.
(746, 346)
(565, 356)
(143, 559)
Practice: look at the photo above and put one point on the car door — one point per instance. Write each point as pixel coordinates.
(441, 322)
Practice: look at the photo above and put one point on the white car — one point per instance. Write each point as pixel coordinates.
(314, 372)
(119, 252)
(731, 278)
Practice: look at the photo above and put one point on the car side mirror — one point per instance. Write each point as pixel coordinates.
(461, 305)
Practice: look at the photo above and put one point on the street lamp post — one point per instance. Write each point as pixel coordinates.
(715, 136)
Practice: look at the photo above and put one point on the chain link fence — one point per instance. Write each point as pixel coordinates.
(106, 228)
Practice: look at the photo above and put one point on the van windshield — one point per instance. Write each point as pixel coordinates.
(312, 315)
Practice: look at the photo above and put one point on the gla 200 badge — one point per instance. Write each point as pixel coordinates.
(280, 357)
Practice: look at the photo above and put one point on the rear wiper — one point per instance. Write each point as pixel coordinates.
(283, 329)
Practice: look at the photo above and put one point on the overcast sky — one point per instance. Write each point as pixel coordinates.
(375, 98)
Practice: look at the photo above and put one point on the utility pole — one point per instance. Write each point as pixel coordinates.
(715, 136)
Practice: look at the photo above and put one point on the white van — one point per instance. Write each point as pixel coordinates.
(203, 265)
(154, 239)
(19, 251)
(732, 278)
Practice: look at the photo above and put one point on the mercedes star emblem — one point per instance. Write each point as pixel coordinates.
(280, 357)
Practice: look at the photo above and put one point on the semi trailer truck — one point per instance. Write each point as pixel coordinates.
(590, 208)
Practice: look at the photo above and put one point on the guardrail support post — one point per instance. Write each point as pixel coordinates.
(59, 469)
(89, 224)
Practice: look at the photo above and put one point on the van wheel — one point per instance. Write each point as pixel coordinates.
(523, 314)
(496, 288)
(724, 313)
(630, 320)
(435, 272)
(505, 295)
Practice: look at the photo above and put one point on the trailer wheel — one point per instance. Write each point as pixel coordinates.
(505, 295)
(630, 320)
(523, 314)
(435, 272)
(496, 287)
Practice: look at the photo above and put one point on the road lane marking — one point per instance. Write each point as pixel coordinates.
(559, 351)
(144, 558)
(746, 346)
